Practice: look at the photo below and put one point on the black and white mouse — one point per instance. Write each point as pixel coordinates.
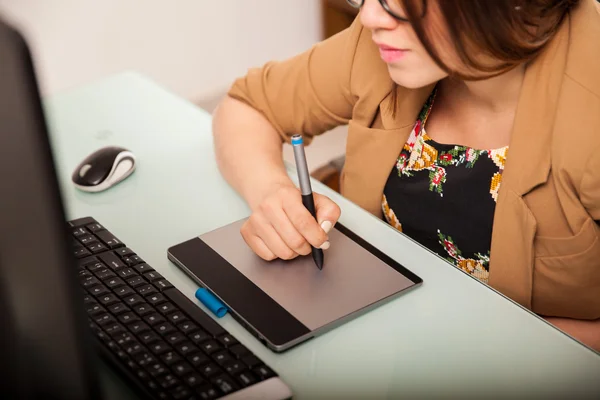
(103, 169)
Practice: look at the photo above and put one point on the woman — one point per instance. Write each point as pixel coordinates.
(474, 128)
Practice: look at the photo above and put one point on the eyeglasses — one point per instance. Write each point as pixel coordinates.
(394, 9)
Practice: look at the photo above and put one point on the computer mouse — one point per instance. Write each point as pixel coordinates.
(103, 169)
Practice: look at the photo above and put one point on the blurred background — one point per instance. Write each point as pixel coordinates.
(194, 48)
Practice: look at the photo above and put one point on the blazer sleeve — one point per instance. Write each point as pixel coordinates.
(307, 94)
(589, 191)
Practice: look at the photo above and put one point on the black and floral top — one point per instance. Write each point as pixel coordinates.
(444, 196)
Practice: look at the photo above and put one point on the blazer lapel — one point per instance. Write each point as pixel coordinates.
(527, 166)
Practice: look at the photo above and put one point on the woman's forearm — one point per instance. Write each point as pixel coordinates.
(586, 331)
(248, 150)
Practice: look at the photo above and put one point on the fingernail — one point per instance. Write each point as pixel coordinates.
(325, 245)
(326, 226)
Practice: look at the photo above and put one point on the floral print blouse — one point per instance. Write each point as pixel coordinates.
(444, 196)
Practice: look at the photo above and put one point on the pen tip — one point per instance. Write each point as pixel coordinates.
(319, 262)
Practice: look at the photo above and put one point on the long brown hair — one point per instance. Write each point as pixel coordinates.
(510, 32)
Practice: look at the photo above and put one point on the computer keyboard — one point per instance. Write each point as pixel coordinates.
(153, 332)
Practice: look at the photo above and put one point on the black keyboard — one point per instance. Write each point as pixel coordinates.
(163, 342)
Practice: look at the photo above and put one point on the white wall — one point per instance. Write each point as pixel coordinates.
(193, 47)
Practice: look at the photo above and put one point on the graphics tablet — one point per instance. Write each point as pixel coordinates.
(284, 303)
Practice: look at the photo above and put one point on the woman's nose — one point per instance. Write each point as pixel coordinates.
(374, 17)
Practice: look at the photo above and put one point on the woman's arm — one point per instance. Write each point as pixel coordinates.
(586, 331)
(248, 151)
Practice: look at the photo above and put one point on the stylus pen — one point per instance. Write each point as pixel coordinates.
(306, 190)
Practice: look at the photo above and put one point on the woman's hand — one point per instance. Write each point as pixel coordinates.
(281, 227)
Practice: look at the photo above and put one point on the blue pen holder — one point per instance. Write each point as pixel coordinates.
(211, 302)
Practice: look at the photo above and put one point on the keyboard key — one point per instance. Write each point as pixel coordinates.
(109, 239)
(114, 283)
(264, 372)
(95, 266)
(235, 367)
(251, 361)
(87, 239)
(143, 309)
(146, 290)
(105, 274)
(133, 348)
(207, 392)
(95, 309)
(87, 299)
(136, 281)
(170, 358)
(128, 317)
(210, 347)
(166, 308)
(165, 328)
(81, 252)
(185, 348)
(89, 281)
(143, 268)
(175, 338)
(163, 284)
(108, 299)
(85, 262)
(98, 290)
(159, 348)
(138, 327)
(246, 378)
(114, 329)
(181, 392)
(193, 380)
(148, 337)
(126, 273)
(144, 359)
(133, 260)
(225, 384)
(124, 251)
(222, 357)
(112, 261)
(199, 337)
(79, 232)
(143, 375)
(124, 291)
(124, 339)
(153, 319)
(83, 274)
(118, 308)
(239, 350)
(209, 370)
(95, 227)
(97, 247)
(152, 276)
(186, 327)
(156, 298)
(198, 359)
(104, 319)
(157, 369)
(181, 368)
(134, 300)
(176, 317)
(168, 381)
(192, 310)
(227, 340)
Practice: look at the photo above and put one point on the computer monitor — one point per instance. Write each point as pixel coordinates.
(45, 350)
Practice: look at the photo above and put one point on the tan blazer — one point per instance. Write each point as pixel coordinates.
(545, 251)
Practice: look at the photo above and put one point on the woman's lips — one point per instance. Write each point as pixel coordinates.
(391, 54)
